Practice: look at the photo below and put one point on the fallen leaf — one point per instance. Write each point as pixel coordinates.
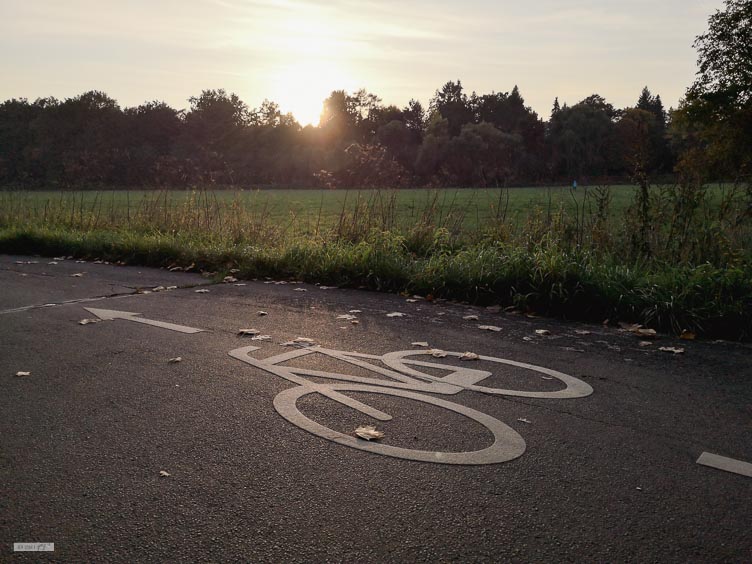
(527, 339)
(261, 338)
(175, 360)
(202, 291)
(523, 420)
(547, 377)
(58, 258)
(369, 433)
(158, 289)
(164, 474)
(629, 326)
(395, 314)
(437, 353)
(23, 373)
(542, 332)
(411, 300)
(354, 322)
(300, 290)
(645, 344)
(645, 333)
(87, 321)
(171, 288)
(234, 270)
(229, 279)
(346, 316)
(52, 262)
(354, 311)
(469, 356)
(251, 332)
(77, 275)
(419, 344)
(327, 287)
(303, 340)
(489, 328)
(688, 335)
(470, 318)
(675, 350)
(261, 313)
(582, 332)
(80, 261)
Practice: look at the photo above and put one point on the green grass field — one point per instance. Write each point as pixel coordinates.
(681, 259)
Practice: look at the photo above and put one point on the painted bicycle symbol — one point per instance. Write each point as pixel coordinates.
(405, 381)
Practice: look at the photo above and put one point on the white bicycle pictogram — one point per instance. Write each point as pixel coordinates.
(405, 382)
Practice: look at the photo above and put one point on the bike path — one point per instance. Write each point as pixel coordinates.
(609, 476)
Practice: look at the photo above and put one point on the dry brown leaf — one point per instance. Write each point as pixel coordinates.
(489, 328)
(346, 317)
(645, 333)
(354, 311)
(164, 474)
(470, 318)
(229, 279)
(395, 314)
(469, 356)
(645, 344)
(369, 433)
(175, 360)
(542, 332)
(261, 338)
(300, 290)
(87, 321)
(202, 291)
(675, 350)
(261, 313)
(23, 374)
(354, 322)
(77, 275)
(688, 335)
(523, 420)
(158, 289)
(437, 353)
(248, 332)
(411, 300)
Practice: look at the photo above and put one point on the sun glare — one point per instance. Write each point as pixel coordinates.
(302, 87)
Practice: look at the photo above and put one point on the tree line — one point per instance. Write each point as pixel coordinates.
(460, 139)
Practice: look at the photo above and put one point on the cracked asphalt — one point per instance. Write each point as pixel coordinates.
(86, 438)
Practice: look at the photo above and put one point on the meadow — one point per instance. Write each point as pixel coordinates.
(670, 257)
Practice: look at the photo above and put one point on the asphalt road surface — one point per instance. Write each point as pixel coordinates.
(561, 442)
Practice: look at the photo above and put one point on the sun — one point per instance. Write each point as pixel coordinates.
(302, 87)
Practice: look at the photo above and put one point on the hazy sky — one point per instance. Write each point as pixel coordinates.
(296, 51)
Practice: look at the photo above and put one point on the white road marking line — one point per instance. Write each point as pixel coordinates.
(727, 464)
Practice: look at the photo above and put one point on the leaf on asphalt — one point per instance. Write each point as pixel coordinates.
(675, 350)
(88, 320)
(251, 332)
(175, 360)
(645, 344)
(299, 342)
(582, 332)
(419, 344)
(23, 374)
(52, 262)
(395, 314)
(346, 317)
(469, 356)
(523, 420)
(470, 318)
(688, 335)
(164, 474)
(547, 377)
(158, 289)
(262, 313)
(58, 258)
(202, 291)
(354, 322)
(303, 340)
(411, 300)
(354, 311)
(645, 333)
(437, 353)
(300, 290)
(241, 284)
(327, 287)
(171, 288)
(229, 279)
(527, 339)
(489, 328)
(629, 326)
(261, 338)
(542, 332)
(77, 275)
(369, 433)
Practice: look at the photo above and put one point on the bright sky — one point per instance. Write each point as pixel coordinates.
(295, 52)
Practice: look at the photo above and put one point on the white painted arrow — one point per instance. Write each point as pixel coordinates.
(109, 314)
